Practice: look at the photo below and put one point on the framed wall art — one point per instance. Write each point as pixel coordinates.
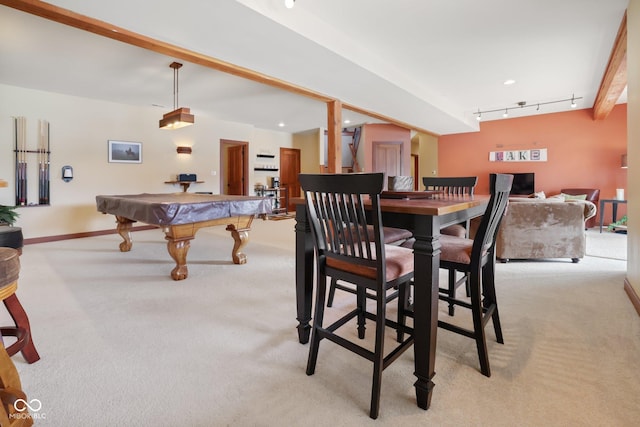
(125, 152)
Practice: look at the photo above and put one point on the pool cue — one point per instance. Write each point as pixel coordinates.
(17, 184)
(23, 195)
(39, 154)
(20, 162)
(41, 160)
(47, 177)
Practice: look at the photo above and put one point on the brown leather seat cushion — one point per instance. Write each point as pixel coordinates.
(455, 249)
(391, 234)
(9, 266)
(399, 262)
(455, 230)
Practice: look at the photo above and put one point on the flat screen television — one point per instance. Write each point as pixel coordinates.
(523, 184)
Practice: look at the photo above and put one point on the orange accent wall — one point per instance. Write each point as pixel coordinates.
(581, 152)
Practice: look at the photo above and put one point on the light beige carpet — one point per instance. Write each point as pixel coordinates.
(124, 345)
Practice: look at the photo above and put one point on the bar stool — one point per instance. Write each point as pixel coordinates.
(9, 272)
(11, 237)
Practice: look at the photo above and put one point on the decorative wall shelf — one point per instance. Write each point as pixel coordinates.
(266, 169)
(267, 156)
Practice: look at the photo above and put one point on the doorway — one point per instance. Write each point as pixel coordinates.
(234, 167)
(387, 158)
(289, 171)
(415, 171)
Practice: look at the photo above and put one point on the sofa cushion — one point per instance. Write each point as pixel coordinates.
(574, 196)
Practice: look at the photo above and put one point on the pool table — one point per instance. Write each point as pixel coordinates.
(181, 215)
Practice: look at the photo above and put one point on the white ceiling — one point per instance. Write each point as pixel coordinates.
(429, 63)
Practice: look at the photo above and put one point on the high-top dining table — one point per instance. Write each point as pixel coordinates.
(424, 217)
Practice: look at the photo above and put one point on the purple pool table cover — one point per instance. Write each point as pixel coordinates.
(180, 208)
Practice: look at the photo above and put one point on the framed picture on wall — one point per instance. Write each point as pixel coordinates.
(125, 152)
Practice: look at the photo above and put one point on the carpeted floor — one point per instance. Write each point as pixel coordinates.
(124, 345)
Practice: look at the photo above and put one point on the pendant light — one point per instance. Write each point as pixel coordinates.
(179, 117)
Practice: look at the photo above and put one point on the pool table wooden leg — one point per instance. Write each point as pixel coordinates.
(124, 230)
(240, 238)
(178, 249)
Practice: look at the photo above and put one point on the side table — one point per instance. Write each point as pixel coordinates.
(614, 208)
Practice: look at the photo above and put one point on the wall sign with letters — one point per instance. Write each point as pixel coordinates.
(534, 155)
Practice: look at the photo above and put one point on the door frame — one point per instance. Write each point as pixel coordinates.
(224, 146)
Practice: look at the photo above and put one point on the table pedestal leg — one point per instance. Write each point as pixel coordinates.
(304, 273)
(240, 239)
(426, 274)
(124, 230)
(178, 249)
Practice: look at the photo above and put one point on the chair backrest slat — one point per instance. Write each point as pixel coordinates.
(338, 218)
(485, 240)
(451, 185)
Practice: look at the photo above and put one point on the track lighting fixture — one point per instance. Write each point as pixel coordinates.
(523, 104)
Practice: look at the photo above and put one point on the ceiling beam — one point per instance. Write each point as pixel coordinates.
(96, 26)
(615, 77)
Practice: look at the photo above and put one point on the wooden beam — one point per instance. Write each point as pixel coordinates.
(334, 136)
(387, 119)
(615, 77)
(92, 25)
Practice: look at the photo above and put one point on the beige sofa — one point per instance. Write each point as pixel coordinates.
(543, 228)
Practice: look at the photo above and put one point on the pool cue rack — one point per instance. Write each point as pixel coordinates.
(40, 159)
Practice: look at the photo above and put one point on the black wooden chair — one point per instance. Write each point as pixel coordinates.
(392, 236)
(453, 186)
(346, 251)
(477, 258)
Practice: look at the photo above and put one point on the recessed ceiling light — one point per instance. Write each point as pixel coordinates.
(347, 121)
(508, 82)
(281, 124)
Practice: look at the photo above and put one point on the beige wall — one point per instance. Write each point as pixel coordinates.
(426, 147)
(80, 129)
(633, 144)
(311, 145)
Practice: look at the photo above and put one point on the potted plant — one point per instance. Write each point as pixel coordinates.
(8, 215)
(621, 222)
